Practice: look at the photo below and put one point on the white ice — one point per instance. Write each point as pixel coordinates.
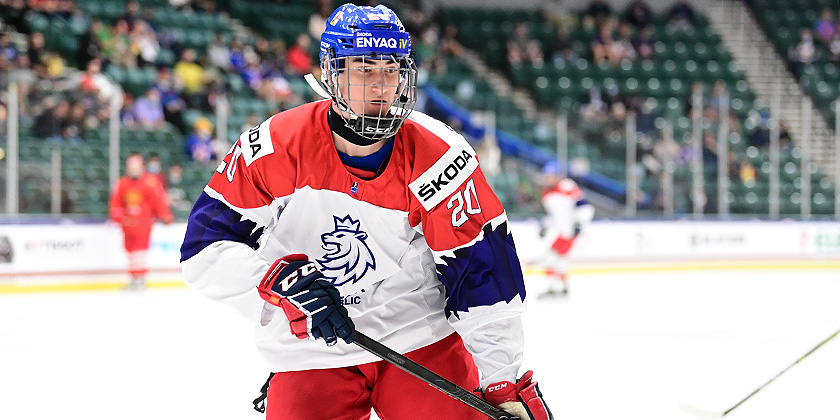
(620, 346)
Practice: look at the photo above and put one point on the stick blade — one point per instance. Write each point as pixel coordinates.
(700, 412)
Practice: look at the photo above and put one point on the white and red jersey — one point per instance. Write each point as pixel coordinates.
(417, 252)
(566, 207)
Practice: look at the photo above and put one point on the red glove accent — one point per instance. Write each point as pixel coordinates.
(523, 391)
(297, 319)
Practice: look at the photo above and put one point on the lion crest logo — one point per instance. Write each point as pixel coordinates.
(348, 257)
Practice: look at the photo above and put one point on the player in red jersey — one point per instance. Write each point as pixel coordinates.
(359, 213)
(568, 213)
(137, 201)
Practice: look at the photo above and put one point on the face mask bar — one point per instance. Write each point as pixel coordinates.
(374, 94)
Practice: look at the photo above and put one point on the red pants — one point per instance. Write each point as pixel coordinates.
(349, 393)
(136, 241)
(136, 237)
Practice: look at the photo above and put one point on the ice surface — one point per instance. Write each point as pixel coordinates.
(620, 346)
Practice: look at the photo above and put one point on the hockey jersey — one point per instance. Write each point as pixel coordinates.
(138, 202)
(566, 207)
(417, 252)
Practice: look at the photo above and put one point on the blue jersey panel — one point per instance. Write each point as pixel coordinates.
(212, 221)
(485, 273)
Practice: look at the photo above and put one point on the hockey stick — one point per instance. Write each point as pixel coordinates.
(711, 414)
(431, 378)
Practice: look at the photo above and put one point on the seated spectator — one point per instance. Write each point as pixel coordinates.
(170, 89)
(681, 16)
(834, 49)
(449, 45)
(805, 51)
(36, 51)
(318, 19)
(8, 50)
(219, 53)
(93, 79)
(155, 168)
(603, 46)
(131, 15)
(645, 44)
(598, 13)
(561, 47)
(144, 41)
(49, 124)
(75, 125)
(148, 111)
(710, 155)
(623, 45)
(192, 75)
(639, 15)
(200, 142)
(522, 48)
(120, 51)
(178, 199)
(300, 59)
(825, 27)
(90, 44)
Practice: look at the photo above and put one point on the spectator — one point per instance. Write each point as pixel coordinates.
(710, 156)
(318, 20)
(825, 27)
(36, 51)
(599, 13)
(603, 46)
(681, 16)
(449, 44)
(14, 14)
(74, 126)
(144, 41)
(200, 142)
(192, 75)
(805, 52)
(148, 110)
(561, 47)
(170, 87)
(154, 167)
(645, 44)
(219, 53)
(522, 48)
(834, 49)
(94, 80)
(120, 48)
(639, 15)
(178, 199)
(90, 44)
(623, 45)
(8, 51)
(131, 15)
(50, 123)
(300, 60)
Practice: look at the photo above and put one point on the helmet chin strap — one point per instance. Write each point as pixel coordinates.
(339, 126)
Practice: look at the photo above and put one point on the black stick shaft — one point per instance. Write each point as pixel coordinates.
(431, 378)
(780, 373)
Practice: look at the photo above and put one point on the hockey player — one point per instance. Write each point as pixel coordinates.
(137, 201)
(567, 214)
(355, 213)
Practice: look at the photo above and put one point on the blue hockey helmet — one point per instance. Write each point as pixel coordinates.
(372, 35)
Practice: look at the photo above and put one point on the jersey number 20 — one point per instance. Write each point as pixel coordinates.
(467, 198)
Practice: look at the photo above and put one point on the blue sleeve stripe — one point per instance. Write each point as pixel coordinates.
(212, 221)
(485, 273)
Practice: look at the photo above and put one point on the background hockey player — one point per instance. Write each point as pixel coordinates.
(351, 213)
(567, 215)
(137, 201)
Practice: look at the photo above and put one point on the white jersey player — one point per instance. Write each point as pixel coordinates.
(567, 214)
(357, 213)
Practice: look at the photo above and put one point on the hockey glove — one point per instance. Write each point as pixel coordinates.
(522, 399)
(312, 304)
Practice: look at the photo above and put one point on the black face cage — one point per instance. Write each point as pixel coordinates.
(371, 120)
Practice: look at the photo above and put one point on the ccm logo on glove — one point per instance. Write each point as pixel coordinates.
(311, 303)
(290, 281)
